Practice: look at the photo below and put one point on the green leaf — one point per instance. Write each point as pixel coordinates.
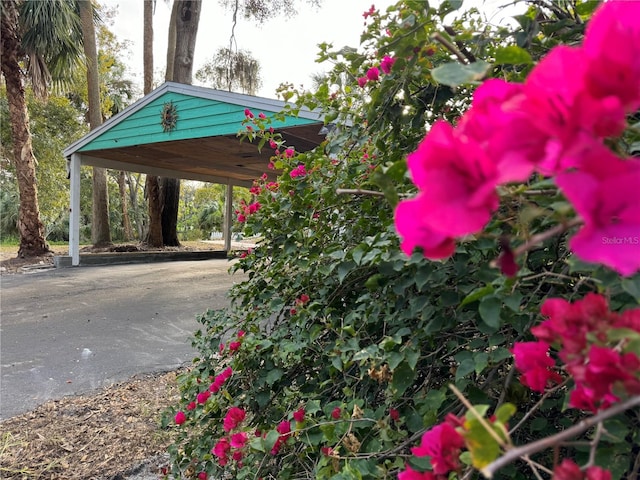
(477, 294)
(270, 440)
(402, 377)
(513, 55)
(632, 286)
(465, 368)
(489, 310)
(454, 73)
(505, 412)
(273, 376)
(483, 447)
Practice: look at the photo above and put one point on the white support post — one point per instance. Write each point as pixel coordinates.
(74, 211)
(228, 216)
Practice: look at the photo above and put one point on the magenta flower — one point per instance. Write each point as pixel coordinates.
(233, 418)
(410, 474)
(298, 415)
(560, 106)
(612, 49)
(248, 113)
(180, 418)
(262, 116)
(299, 171)
(500, 125)
(335, 413)
(533, 361)
(284, 428)
(457, 182)
(373, 74)
(191, 406)
(202, 397)
(387, 64)
(604, 192)
(221, 450)
(234, 346)
(443, 444)
(362, 81)
(238, 440)
(414, 232)
(289, 152)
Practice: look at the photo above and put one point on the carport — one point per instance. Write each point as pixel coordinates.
(186, 132)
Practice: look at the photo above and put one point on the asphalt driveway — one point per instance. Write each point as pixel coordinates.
(69, 331)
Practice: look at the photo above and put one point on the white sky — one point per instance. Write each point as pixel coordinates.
(285, 47)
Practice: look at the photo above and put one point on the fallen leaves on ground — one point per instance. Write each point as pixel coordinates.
(101, 435)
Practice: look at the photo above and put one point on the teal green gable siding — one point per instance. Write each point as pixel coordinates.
(197, 118)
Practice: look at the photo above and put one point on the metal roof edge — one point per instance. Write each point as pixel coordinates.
(248, 101)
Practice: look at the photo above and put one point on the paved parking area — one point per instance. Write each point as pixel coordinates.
(71, 330)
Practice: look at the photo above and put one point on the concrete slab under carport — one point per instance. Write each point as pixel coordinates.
(89, 259)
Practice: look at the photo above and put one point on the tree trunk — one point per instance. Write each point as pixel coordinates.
(153, 236)
(147, 45)
(170, 190)
(186, 17)
(100, 231)
(124, 203)
(32, 239)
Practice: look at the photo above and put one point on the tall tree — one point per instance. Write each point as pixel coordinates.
(185, 18)
(152, 185)
(100, 231)
(45, 36)
(234, 71)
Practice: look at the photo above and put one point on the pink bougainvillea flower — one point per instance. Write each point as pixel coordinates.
(202, 476)
(373, 74)
(410, 474)
(299, 171)
(298, 415)
(180, 418)
(612, 50)
(336, 412)
(221, 450)
(262, 116)
(284, 428)
(409, 223)
(370, 12)
(560, 106)
(289, 152)
(597, 473)
(457, 181)
(442, 444)
(237, 456)
(248, 113)
(362, 81)
(242, 218)
(233, 418)
(500, 125)
(221, 348)
(326, 451)
(202, 397)
(191, 406)
(273, 144)
(387, 64)
(238, 440)
(234, 346)
(394, 414)
(568, 324)
(567, 470)
(604, 192)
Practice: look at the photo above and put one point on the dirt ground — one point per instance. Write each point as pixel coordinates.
(107, 434)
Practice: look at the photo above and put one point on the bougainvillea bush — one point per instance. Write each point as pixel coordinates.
(447, 286)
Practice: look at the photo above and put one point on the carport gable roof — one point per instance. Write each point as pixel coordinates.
(203, 145)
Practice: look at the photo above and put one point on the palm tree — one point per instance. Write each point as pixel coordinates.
(45, 38)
